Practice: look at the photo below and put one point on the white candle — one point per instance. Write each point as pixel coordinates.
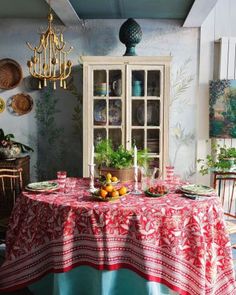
(92, 156)
(135, 156)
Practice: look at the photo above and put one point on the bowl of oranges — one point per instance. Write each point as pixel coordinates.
(108, 193)
(109, 179)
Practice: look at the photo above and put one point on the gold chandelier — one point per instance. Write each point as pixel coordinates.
(49, 61)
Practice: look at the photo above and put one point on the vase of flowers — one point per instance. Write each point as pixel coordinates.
(9, 148)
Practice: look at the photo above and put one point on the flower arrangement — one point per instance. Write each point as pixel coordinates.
(10, 148)
(119, 158)
(118, 162)
(222, 159)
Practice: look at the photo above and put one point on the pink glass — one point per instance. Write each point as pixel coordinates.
(61, 179)
(70, 184)
(169, 173)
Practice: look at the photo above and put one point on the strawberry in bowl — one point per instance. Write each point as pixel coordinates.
(156, 191)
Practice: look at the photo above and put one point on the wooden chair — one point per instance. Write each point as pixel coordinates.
(224, 184)
(10, 188)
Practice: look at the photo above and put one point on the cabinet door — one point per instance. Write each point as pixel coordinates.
(145, 110)
(108, 93)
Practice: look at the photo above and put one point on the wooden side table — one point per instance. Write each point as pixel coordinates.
(22, 162)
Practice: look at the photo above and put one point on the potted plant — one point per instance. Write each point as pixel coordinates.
(9, 148)
(118, 162)
(221, 159)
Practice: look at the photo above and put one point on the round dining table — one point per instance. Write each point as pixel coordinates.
(72, 244)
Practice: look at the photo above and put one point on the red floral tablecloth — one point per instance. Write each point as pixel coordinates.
(179, 242)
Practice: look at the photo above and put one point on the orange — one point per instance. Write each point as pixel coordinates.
(122, 190)
(103, 193)
(115, 194)
(114, 179)
(109, 188)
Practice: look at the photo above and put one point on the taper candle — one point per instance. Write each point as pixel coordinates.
(135, 156)
(92, 156)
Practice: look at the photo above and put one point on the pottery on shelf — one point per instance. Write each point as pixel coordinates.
(130, 34)
(10, 152)
(137, 88)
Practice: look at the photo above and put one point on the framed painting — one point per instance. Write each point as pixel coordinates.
(222, 110)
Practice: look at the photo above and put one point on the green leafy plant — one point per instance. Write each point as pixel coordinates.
(119, 158)
(221, 159)
(7, 141)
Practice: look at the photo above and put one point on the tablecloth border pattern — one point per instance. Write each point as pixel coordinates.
(16, 276)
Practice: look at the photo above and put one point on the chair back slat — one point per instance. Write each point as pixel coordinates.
(11, 183)
(224, 183)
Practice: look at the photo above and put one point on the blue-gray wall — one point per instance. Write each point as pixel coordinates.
(54, 126)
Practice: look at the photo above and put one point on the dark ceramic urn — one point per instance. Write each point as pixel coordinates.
(130, 34)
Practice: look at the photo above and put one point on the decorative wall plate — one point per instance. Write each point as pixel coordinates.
(10, 73)
(2, 105)
(20, 104)
(100, 113)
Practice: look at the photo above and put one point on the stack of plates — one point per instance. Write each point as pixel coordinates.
(197, 189)
(152, 145)
(44, 186)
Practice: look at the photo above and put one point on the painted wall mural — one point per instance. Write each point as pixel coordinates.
(54, 127)
(223, 108)
(181, 81)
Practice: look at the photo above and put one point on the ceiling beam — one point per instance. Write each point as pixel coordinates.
(199, 12)
(65, 11)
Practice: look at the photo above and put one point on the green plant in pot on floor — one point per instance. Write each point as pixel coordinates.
(9, 148)
(118, 162)
(222, 159)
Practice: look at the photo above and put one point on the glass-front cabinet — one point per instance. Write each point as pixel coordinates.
(125, 99)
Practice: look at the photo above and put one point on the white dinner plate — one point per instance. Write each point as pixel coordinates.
(197, 189)
(42, 186)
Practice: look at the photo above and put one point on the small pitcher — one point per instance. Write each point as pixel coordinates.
(117, 87)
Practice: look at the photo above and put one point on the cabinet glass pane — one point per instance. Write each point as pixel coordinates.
(100, 83)
(138, 138)
(99, 134)
(153, 141)
(138, 83)
(137, 112)
(153, 83)
(154, 163)
(153, 112)
(116, 137)
(115, 112)
(115, 83)
(100, 112)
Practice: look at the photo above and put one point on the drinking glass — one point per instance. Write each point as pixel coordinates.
(169, 173)
(61, 179)
(70, 184)
(148, 177)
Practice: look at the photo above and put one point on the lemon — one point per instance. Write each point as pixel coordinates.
(109, 176)
(114, 179)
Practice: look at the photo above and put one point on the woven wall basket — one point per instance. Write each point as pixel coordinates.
(10, 73)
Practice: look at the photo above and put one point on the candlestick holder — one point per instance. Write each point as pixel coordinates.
(91, 176)
(136, 191)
